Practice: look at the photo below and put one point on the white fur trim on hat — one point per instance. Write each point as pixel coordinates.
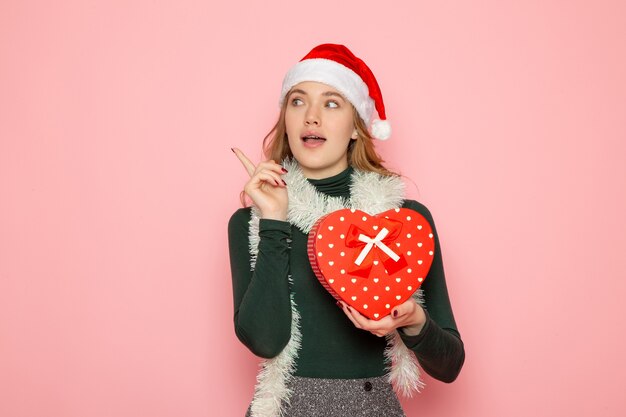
(340, 77)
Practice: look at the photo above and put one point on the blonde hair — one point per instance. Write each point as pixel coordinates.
(361, 152)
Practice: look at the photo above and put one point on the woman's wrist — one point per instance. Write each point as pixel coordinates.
(417, 323)
(282, 216)
(413, 330)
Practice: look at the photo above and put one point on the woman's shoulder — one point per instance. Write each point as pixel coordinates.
(240, 219)
(421, 209)
(417, 206)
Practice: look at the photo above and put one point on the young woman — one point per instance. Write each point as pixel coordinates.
(322, 357)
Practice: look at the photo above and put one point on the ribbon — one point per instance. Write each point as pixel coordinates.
(356, 237)
(378, 241)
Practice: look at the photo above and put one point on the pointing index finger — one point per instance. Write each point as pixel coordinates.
(248, 165)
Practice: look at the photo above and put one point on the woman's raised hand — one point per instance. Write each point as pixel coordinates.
(266, 188)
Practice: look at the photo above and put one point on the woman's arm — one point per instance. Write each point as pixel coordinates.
(261, 297)
(439, 351)
(438, 346)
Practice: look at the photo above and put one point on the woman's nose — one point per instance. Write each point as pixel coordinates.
(311, 117)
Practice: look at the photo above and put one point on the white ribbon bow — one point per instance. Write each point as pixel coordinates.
(378, 241)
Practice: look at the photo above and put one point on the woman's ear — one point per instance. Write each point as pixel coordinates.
(355, 134)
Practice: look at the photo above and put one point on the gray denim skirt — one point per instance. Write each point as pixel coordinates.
(317, 397)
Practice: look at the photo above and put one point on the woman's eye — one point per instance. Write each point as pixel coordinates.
(332, 104)
(296, 101)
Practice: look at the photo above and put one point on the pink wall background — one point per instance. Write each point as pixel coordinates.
(116, 183)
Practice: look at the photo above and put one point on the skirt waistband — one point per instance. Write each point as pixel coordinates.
(361, 397)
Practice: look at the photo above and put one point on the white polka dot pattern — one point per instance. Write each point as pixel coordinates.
(401, 250)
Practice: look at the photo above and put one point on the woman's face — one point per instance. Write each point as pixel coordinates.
(319, 124)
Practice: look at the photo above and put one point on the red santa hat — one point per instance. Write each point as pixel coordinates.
(339, 68)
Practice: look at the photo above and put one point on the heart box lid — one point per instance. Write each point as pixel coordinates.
(371, 262)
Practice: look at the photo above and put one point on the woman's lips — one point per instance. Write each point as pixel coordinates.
(313, 141)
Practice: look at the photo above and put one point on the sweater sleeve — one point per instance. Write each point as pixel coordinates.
(261, 297)
(438, 347)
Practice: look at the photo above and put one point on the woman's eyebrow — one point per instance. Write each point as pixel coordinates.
(325, 94)
(332, 94)
(297, 90)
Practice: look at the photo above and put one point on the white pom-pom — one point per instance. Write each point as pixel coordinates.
(381, 129)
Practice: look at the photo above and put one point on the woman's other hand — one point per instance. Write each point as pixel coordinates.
(266, 188)
(408, 315)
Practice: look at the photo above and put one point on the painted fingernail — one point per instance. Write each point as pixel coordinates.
(395, 313)
(232, 150)
(283, 181)
(284, 170)
(339, 304)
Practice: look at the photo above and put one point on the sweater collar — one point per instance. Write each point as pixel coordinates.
(337, 186)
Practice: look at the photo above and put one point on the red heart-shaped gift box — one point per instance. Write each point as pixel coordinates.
(372, 263)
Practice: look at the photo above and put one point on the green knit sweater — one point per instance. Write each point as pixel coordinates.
(332, 347)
